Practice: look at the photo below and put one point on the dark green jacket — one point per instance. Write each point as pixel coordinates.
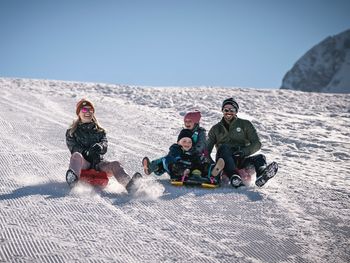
(241, 135)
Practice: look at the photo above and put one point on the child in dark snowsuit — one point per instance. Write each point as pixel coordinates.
(191, 122)
(181, 161)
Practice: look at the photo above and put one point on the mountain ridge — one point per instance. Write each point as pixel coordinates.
(323, 68)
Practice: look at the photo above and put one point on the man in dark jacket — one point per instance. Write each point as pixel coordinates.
(236, 140)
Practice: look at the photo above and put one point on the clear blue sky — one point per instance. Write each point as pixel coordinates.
(164, 42)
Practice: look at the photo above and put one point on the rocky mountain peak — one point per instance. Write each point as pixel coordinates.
(324, 68)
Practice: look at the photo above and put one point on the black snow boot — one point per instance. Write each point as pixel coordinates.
(131, 187)
(71, 178)
(236, 181)
(265, 174)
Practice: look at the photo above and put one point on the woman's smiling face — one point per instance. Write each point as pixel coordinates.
(86, 113)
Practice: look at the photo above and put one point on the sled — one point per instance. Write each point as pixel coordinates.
(193, 180)
(94, 178)
(246, 174)
(194, 183)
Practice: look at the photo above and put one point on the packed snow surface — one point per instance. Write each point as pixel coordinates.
(302, 215)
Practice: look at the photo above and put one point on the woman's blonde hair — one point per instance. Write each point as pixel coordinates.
(76, 122)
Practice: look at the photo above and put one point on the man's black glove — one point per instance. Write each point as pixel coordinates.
(237, 152)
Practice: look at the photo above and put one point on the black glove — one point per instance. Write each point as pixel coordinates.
(96, 148)
(85, 154)
(237, 152)
(206, 159)
(93, 153)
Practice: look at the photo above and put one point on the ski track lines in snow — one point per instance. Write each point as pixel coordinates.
(218, 233)
(301, 216)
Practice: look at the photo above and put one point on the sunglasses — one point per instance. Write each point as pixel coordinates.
(229, 110)
(85, 110)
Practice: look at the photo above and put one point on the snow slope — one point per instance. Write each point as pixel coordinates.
(300, 216)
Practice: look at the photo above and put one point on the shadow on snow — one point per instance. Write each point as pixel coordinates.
(50, 189)
(60, 190)
(173, 192)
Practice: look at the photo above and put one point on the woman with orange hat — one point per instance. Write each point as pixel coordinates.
(87, 142)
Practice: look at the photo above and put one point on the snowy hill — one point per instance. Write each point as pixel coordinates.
(302, 215)
(324, 68)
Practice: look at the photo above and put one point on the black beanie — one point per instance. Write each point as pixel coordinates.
(230, 101)
(184, 133)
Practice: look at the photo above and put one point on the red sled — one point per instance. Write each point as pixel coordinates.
(94, 178)
(246, 174)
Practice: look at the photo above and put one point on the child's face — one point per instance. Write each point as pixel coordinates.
(189, 124)
(185, 143)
